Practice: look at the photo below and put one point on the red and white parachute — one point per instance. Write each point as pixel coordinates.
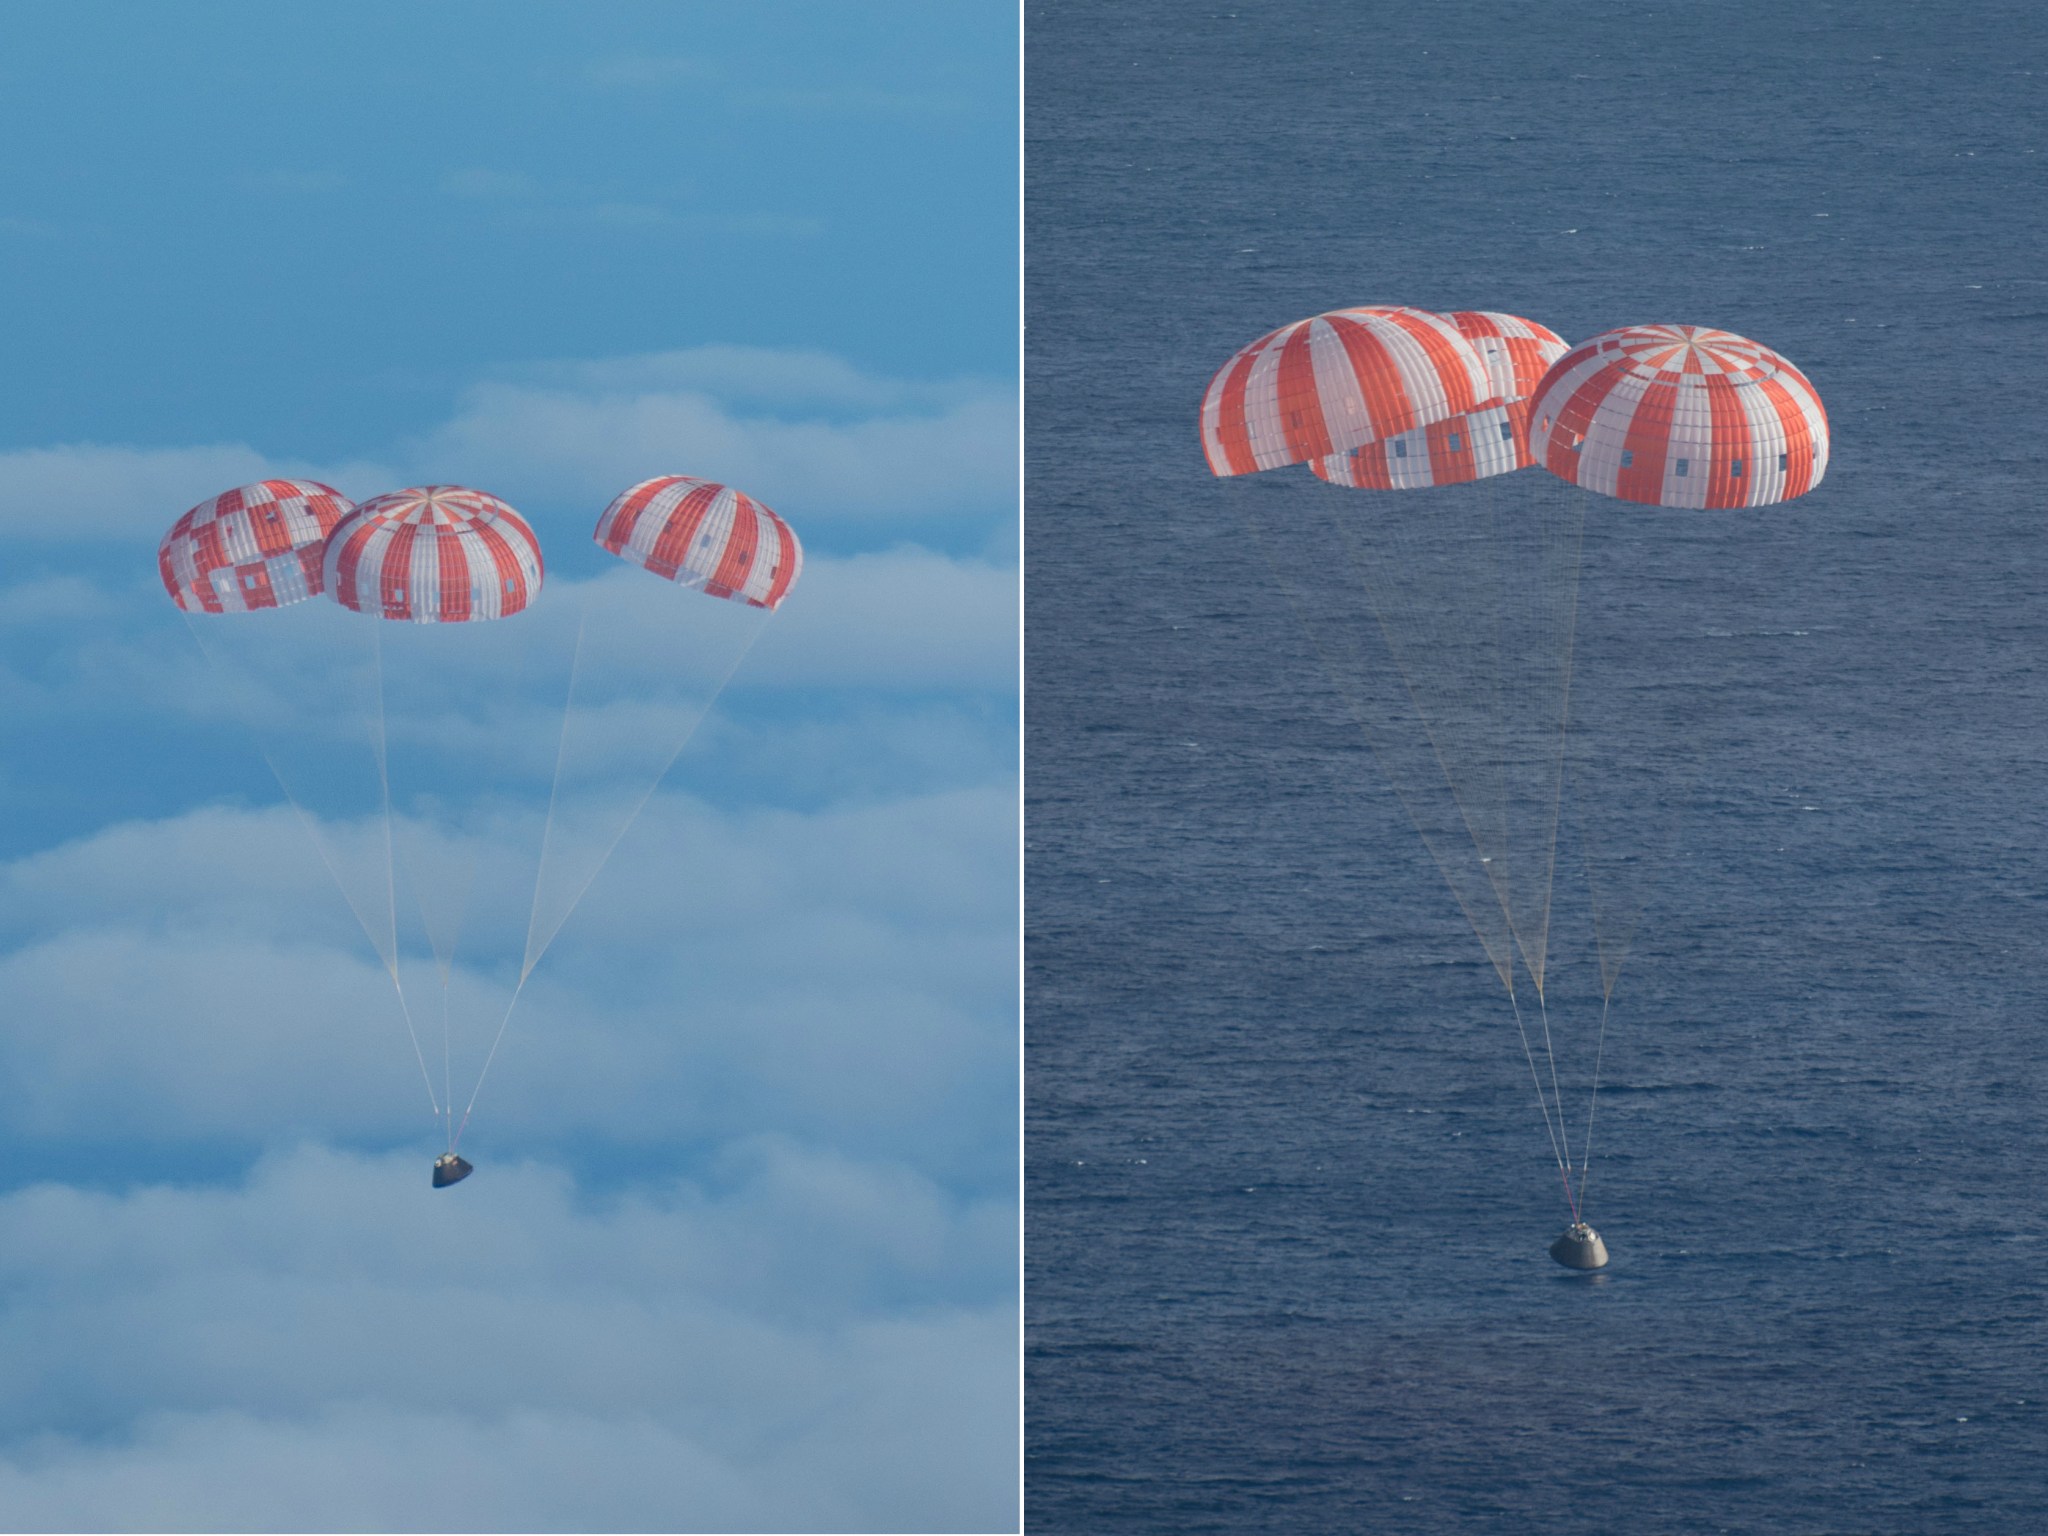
(1337, 381)
(434, 554)
(706, 536)
(257, 546)
(1518, 352)
(1493, 686)
(423, 725)
(1491, 440)
(1680, 416)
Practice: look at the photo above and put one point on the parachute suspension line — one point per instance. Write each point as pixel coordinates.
(413, 1035)
(1592, 1103)
(1543, 1011)
(1577, 529)
(447, 1087)
(444, 941)
(534, 950)
(455, 1139)
(534, 953)
(547, 831)
(380, 736)
(1502, 963)
(1494, 682)
(1543, 1104)
(384, 953)
(1527, 694)
(1488, 675)
(1361, 566)
(1358, 716)
(1570, 626)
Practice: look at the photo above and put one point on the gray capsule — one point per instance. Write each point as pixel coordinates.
(1580, 1248)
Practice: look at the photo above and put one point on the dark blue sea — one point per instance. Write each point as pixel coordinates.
(1288, 1192)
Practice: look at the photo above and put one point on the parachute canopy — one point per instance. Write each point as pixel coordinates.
(1489, 441)
(434, 554)
(257, 546)
(703, 535)
(1336, 381)
(1518, 352)
(1680, 416)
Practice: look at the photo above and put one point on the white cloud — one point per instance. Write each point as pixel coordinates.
(826, 444)
(848, 972)
(770, 380)
(799, 991)
(55, 599)
(82, 492)
(332, 1345)
(306, 677)
(905, 470)
(907, 618)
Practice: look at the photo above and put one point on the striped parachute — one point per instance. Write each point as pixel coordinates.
(410, 748)
(434, 554)
(257, 546)
(1680, 416)
(647, 654)
(703, 535)
(1336, 381)
(1527, 719)
(1518, 352)
(1491, 440)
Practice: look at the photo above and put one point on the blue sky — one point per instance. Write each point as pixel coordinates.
(741, 1252)
(316, 225)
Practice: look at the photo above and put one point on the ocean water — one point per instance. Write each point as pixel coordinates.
(1288, 1193)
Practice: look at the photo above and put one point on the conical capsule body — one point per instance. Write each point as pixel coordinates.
(1580, 1248)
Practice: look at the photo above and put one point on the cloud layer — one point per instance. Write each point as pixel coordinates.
(330, 1345)
(741, 1250)
(846, 455)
